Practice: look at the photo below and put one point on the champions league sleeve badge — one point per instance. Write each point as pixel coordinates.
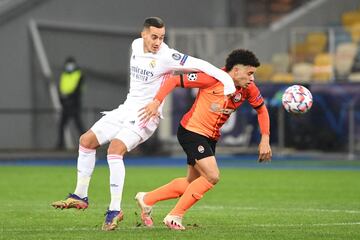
(192, 76)
(176, 56)
(237, 97)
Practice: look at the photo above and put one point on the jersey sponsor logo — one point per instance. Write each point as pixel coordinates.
(183, 60)
(192, 76)
(141, 74)
(237, 97)
(215, 107)
(176, 56)
(201, 149)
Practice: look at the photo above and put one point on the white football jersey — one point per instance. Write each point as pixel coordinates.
(148, 70)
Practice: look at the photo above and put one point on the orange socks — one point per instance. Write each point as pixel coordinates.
(193, 193)
(173, 189)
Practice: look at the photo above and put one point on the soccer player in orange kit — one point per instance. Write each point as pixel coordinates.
(199, 131)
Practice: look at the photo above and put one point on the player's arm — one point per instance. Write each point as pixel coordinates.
(201, 80)
(257, 102)
(185, 62)
(265, 152)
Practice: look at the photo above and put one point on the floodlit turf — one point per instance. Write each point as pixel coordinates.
(246, 204)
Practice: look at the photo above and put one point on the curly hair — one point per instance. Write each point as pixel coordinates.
(243, 57)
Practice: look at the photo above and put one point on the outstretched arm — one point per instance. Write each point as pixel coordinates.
(183, 62)
(265, 152)
(201, 80)
(220, 75)
(151, 109)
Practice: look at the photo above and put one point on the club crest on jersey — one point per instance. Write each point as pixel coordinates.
(201, 149)
(152, 63)
(237, 97)
(192, 76)
(176, 56)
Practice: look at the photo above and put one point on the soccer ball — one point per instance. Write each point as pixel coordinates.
(297, 99)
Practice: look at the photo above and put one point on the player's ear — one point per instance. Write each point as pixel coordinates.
(236, 69)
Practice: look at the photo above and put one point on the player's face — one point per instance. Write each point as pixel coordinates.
(153, 38)
(243, 75)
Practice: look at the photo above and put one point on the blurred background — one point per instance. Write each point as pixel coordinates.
(315, 43)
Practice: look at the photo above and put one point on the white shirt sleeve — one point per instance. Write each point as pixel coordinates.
(184, 62)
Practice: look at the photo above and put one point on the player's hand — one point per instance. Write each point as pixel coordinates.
(149, 111)
(265, 152)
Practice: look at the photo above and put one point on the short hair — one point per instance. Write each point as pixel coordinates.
(154, 22)
(70, 59)
(243, 57)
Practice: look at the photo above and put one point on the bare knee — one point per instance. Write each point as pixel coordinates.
(117, 147)
(89, 140)
(213, 178)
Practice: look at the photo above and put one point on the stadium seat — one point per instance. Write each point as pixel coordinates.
(302, 72)
(323, 68)
(264, 72)
(281, 62)
(348, 19)
(344, 58)
(299, 52)
(282, 78)
(354, 77)
(316, 42)
(355, 32)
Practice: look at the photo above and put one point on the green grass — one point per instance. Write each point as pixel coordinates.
(246, 204)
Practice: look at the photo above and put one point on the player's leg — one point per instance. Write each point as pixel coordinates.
(207, 167)
(174, 189)
(196, 147)
(125, 140)
(85, 167)
(114, 215)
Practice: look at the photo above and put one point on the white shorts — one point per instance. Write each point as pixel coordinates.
(123, 124)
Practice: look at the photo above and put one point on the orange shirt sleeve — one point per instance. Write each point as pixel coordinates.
(263, 119)
(190, 80)
(197, 80)
(167, 86)
(254, 96)
(257, 102)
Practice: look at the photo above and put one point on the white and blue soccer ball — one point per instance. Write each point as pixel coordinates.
(297, 99)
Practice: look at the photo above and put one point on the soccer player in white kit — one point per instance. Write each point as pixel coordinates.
(150, 62)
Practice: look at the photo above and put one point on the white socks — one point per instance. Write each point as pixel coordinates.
(117, 178)
(85, 168)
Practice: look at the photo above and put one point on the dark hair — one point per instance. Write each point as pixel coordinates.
(243, 57)
(154, 22)
(70, 59)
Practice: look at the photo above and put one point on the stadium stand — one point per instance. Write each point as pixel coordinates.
(344, 58)
(323, 68)
(302, 72)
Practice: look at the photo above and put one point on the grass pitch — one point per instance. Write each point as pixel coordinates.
(247, 203)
